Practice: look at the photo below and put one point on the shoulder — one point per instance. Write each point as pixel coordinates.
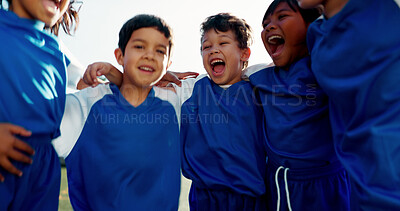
(165, 94)
(255, 69)
(89, 95)
(185, 91)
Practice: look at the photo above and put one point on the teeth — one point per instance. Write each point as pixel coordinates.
(273, 38)
(147, 69)
(215, 61)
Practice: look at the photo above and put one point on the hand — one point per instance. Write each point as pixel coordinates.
(81, 85)
(13, 148)
(175, 77)
(94, 70)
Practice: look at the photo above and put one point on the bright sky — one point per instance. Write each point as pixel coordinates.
(101, 20)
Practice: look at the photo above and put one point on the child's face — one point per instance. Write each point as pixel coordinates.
(146, 57)
(309, 4)
(284, 36)
(47, 11)
(222, 57)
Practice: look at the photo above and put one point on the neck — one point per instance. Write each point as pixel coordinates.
(333, 7)
(133, 94)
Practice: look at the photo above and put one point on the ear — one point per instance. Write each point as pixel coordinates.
(245, 55)
(118, 56)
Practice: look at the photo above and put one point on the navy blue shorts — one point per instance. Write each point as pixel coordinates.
(323, 188)
(39, 187)
(214, 200)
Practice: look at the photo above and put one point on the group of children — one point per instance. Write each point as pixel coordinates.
(317, 131)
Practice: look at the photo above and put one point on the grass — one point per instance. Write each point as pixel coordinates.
(64, 204)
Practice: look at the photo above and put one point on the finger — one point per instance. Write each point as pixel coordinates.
(81, 85)
(86, 76)
(102, 70)
(18, 130)
(8, 166)
(93, 75)
(18, 156)
(186, 75)
(158, 84)
(1, 178)
(174, 80)
(171, 78)
(163, 83)
(23, 146)
(89, 74)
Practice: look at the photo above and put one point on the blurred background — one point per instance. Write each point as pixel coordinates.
(101, 20)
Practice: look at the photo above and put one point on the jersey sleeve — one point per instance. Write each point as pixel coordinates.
(186, 89)
(253, 69)
(75, 69)
(77, 108)
(171, 97)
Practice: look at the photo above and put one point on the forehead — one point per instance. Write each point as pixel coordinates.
(280, 7)
(149, 35)
(215, 34)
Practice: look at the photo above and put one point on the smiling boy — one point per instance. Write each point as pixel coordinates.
(221, 139)
(119, 161)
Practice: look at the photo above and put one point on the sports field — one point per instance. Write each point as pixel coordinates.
(65, 205)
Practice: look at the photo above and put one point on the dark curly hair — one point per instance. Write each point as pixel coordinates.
(224, 22)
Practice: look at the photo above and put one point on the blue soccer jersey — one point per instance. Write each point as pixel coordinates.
(356, 60)
(33, 76)
(126, 158)
(33, 82)
(222, 148)
(299, 140)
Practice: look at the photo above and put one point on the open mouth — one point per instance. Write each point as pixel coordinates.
(276, 43)
(52, 5)
(218, 66)
(146, 69)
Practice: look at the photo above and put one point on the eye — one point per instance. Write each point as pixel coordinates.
(280, 17)
(265, 24)
(138, 46)
(161, 52)
(224, 43)
(205, 47)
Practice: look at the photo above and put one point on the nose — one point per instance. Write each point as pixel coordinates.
(149, 54)
(271, 26)
(214, 51)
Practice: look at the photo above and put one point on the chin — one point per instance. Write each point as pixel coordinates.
(218, 81)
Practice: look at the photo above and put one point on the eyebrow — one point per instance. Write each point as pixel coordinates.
(142, 40)
(222, 35)
(283, 10)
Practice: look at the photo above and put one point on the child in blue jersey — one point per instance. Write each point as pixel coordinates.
(122, 143)
(34, 79)
(221, 140)
(355, 53)
(303, 170)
